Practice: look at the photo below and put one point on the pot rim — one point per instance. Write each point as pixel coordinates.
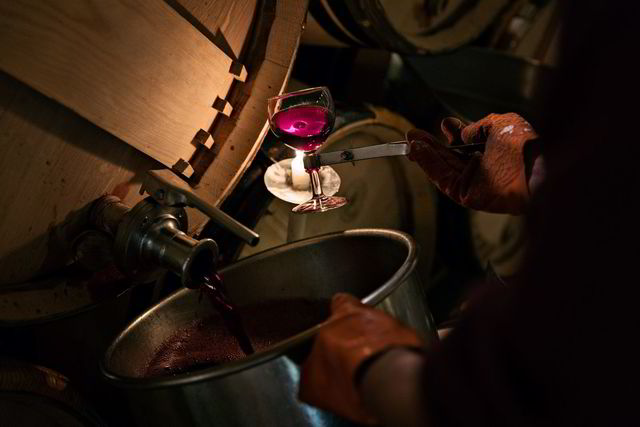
(282, 347)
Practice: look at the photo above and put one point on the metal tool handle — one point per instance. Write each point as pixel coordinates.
(169, 190)
(399, 148)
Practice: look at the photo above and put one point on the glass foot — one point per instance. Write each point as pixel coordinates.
(320, 204)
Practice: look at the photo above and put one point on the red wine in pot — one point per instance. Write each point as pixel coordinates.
(208, 342)
(304, 127)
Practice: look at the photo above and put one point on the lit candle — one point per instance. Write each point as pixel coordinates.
(299, 177)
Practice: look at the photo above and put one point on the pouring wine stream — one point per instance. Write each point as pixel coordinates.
(213, 287)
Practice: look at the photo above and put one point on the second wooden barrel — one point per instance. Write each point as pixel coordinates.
(406, 26)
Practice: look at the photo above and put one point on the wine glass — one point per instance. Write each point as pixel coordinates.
(303, 120)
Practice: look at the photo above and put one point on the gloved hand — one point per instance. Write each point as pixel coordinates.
(353, 334)
(494, 181)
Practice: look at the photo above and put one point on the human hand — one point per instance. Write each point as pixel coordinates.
(353, 335)
(493, 181)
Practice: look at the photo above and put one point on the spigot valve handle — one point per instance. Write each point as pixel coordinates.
(169, 190)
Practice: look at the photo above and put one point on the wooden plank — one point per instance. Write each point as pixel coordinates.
(238, 138)
(133, 67)
(52, 164)
(227, 22)
(236, 24)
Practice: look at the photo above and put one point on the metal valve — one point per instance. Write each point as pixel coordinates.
(151, 236)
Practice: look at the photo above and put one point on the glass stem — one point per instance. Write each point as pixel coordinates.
(316, 188)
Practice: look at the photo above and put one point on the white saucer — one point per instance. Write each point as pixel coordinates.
(277, 178)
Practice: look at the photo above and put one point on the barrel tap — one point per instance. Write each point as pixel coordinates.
(150, 237)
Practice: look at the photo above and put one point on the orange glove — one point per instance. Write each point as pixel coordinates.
(352, 335)
(494, 181)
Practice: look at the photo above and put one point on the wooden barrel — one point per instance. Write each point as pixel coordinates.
(32, 395)
(94, 94)
(405, 26)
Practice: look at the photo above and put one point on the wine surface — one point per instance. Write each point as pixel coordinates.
(303, 128)
(208, 342)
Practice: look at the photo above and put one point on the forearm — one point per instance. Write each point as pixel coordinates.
(392, 388)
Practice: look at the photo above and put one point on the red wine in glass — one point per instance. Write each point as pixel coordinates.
(303, 120)
(304, 127)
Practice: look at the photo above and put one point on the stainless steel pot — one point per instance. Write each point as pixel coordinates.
(376, 265)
